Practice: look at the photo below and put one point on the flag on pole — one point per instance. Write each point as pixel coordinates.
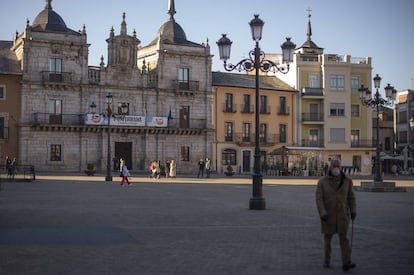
(170, 117)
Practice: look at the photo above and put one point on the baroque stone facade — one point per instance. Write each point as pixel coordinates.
(170, 79)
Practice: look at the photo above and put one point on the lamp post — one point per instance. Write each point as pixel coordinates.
(256, 62)
(376, 102)
(411, 140)
(109, 99)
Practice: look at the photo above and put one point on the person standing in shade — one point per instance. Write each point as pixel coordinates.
(125, 175)
(336, 203)
(208, 167)
(201, 166)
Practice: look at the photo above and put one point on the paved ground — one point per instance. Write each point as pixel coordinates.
(82, 225)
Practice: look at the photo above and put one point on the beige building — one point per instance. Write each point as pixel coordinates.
(331, 119)
(234, 120)
(161, 94)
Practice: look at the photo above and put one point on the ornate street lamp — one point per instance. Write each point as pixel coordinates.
(256, 61)
(109, 99)
(376, 102)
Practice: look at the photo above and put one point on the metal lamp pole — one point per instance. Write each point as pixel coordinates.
(377, 102)
(108, 159)
(256, 61)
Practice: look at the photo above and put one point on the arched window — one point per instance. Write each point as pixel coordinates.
(228, 157)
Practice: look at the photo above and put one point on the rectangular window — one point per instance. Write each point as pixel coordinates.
(185, 153)
(313, 80)
(355, 83)
(56, 152)
(337, 109)
(355, 138)
(283, 106)
(246, 108)
(55, 65)
(246, 128)
(263, 132)
(263, 104)
(228, 103)
(282, 133)
(337, 82)
(387, 143)
(55, 111)
(355, 110)
(313, 137)
(337, 135)
(228, 131)
(228, 157)
(3, 128)
(184, 78)
(2, 92)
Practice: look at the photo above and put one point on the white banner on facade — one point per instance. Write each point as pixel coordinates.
(119, 120)
(156, 121)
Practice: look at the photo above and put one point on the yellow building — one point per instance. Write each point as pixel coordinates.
(332, 122)
(234, 120)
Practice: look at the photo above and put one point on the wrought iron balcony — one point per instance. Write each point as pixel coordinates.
(56, 77)
(312, 117)
(312, 143)
(362, 143)
(310, 91)
(186, 85)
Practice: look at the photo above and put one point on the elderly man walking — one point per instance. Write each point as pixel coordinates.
(335, 201)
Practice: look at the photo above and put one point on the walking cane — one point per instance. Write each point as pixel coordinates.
(352, 237)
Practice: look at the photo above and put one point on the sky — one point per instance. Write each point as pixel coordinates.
(382, 30)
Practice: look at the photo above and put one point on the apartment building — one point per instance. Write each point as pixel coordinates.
(331, 119)
(234, 120)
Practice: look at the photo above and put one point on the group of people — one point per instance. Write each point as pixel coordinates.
(10, 165)
(169, 169)
(204, 165)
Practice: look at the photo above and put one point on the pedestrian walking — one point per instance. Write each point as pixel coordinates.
(201, 166)
(125, 175)
(9, 167)
(208, 167)
(167, 168)
(336, 203)
(121, 164)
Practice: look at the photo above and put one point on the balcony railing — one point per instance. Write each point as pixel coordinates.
(265, 109)
(247, 109)
(283, 111)
(362, 143)
(78, 119)
(267, 140)
(57, 119)
(186, 85)
(312, 143)
(227, 108)
(310, 91)
(56, 77)
(312, 117)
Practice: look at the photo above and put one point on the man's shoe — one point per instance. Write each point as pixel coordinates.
(348, 266)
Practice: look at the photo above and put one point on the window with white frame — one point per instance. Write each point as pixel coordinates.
(56, 65)
(355, 83)
(184, 78)
(337, 109)
(313, 81)
(337, 82)
(337, 135)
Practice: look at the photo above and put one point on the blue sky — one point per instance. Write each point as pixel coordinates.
(380, 29)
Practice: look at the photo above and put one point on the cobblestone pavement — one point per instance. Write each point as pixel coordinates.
(74, 225)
